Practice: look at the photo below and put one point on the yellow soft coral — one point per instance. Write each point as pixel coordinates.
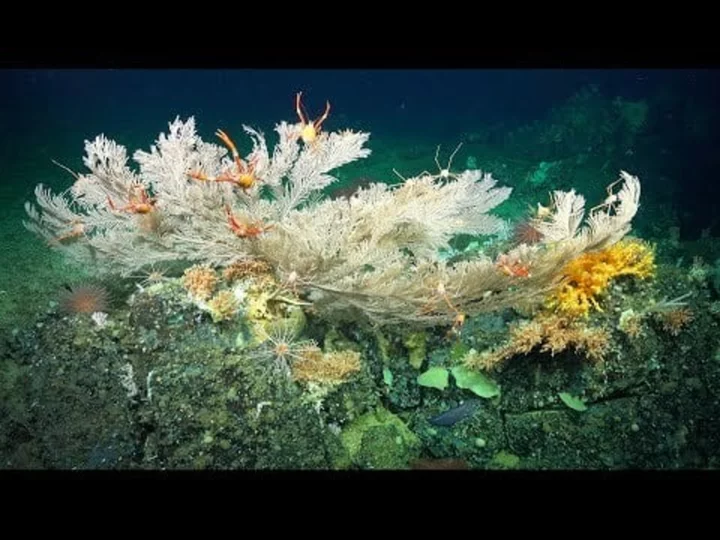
(223, 306)
(588, 276)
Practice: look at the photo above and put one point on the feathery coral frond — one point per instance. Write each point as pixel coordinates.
(374, 254)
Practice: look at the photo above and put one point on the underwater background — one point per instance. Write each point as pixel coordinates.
(144, 371)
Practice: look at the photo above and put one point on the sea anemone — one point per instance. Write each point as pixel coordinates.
(84, 298)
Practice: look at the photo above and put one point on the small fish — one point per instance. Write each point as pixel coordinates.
(454, 415)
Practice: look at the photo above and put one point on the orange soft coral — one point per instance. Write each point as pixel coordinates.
(546, 333)
(588, 276)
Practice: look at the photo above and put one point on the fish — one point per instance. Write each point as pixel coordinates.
(454, 415)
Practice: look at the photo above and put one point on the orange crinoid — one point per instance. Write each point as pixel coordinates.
(588, 276)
